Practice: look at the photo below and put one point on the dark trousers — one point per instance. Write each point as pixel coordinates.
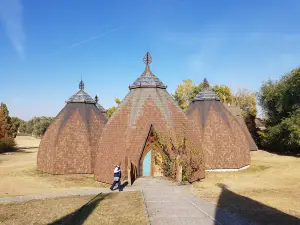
(114, 183)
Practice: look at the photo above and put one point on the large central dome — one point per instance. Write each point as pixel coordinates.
(126, 136)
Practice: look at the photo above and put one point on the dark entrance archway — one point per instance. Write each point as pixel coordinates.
(151, 157)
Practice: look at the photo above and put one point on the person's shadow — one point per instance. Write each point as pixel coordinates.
(250, 210)
(123, 185)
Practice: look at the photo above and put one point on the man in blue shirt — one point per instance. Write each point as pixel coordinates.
(117, 178)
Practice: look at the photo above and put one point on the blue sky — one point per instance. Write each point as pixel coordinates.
(45, 46)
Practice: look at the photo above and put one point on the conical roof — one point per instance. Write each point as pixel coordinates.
(125, 137)
(206, 94)
(68, 145)
(224, 143)
(237, 113)
(81, 96)
(147, 79)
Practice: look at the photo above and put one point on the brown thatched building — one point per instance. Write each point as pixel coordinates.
(69, 144)
(223, 139)
(129, 138)
(237, 113)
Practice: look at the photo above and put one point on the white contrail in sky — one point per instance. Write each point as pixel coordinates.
(91, 38)
(11, 12)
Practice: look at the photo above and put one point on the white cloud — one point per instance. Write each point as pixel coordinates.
(11, 17)
(91, 38)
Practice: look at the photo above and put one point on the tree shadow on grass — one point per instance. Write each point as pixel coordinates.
(283, 153)
(250, 210)
(80, 215)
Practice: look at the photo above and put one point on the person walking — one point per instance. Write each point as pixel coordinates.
(117, 178)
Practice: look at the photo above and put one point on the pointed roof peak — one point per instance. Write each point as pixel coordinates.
(147, 58)
(81, 85)
(81, 96)
(147, 78)
(207, 93)
(205, 83)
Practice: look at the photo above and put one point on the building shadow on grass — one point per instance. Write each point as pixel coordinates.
(250, 211)
(80, 215)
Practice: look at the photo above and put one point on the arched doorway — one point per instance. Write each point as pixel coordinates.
(147, 164)
(151, 164)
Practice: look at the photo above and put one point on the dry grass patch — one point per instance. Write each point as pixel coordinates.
(112, 208)
(19, 175)
(267, 192)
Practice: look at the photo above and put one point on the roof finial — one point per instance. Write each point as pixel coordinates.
(147, 58)
(81, 85)
(96, 99)
(205, 84)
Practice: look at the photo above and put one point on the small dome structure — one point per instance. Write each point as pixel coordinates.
(224, 142)
(237, 113)
(69, 144)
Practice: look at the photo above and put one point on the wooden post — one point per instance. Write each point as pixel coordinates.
(129, 172)
(179, 170)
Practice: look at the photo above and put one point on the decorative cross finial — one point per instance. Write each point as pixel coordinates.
(81, 85)
(147, 58)
(96, 99)
(205, 83)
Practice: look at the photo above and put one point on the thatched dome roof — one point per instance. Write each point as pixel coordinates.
(224, 143)
(68, 146)
(237, 113)
(147, 105)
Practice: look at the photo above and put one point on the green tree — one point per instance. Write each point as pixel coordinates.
(110, 111)
(3, 132)
(184, 93)
(118, 101)
(36, 126)
(246, 99)
(280, 101)
(23, 127)
(6, 132)
(15, 124)
(224, 93)
(187, 90)
(40, 125)
(29, 127)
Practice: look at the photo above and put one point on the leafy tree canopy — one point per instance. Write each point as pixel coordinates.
(110, 111)
(187, 90)
(280, 101)
(8, 129)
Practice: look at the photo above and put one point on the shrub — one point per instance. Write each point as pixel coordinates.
(7, 146)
